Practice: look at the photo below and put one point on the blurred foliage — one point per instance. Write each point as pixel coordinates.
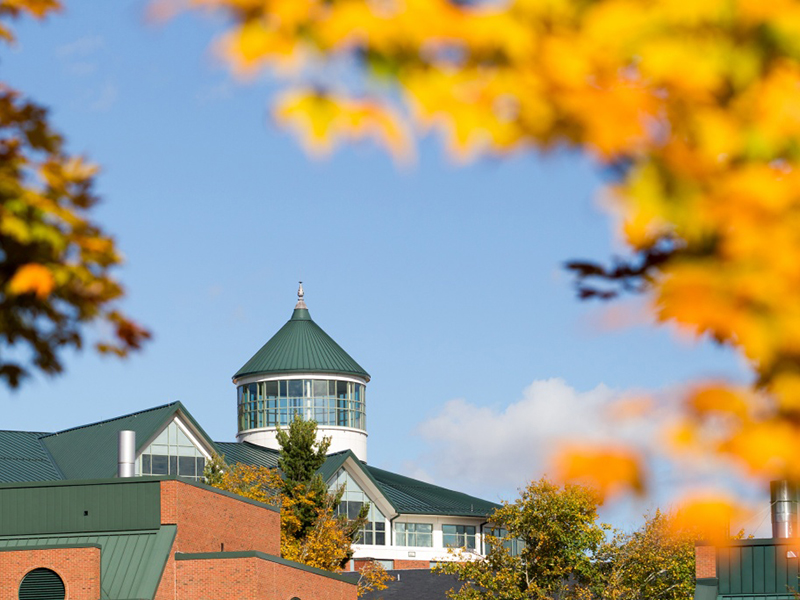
(692, 107)
(55, 263)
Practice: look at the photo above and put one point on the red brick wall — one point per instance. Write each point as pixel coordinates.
(207, 519)
(254, 579)
(359, 563)
(166, 587)
(412, 564)
(79, 568)
(705, 561)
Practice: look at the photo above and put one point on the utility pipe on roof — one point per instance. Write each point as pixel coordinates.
(126, 453)
(783, 498)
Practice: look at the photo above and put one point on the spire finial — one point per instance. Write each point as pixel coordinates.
(300, 302)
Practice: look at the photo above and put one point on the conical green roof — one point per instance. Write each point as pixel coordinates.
(301, 346)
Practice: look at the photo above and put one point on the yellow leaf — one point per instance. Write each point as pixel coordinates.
(32, 278)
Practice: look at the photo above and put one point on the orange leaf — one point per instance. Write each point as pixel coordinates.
(610, 470)
(32, 279)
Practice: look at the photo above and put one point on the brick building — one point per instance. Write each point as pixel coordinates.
(153, 538)
(299, 371)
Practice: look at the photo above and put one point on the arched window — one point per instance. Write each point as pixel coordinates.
(41, 584)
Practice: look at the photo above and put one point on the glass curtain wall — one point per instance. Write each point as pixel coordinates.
(326, 401)
(374, 532)
(172, 453)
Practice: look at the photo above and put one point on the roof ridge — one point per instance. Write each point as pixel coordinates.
(23, 431)
(137, 412)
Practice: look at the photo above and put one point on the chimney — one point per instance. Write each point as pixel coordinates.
(783, 500)
(126, 454)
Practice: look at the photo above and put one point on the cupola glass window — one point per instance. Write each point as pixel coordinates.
(353, 498)
(326, 401)
(172, 453)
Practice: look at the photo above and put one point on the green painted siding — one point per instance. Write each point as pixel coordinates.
(78, 508)
(758, 569)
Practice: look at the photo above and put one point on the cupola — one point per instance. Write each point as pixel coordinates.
(302, 370)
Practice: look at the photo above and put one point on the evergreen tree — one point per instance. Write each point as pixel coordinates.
(301, 456)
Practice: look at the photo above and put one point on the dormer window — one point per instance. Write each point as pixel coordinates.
(172, 453)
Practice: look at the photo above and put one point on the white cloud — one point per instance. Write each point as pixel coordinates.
(510, 446)
(81, 47)
(493, 451)
(105, 97)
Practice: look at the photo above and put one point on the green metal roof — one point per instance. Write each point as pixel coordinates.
(90, 451)
(248, 453)
(301, 346)
(24, 458)
(333, 463)
(131, 562)
(411, 496)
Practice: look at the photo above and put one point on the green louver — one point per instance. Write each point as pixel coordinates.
(41, 584)
(301, 346)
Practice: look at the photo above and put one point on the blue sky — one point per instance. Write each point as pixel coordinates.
(445, 282)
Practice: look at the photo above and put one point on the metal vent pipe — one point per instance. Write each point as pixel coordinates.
(126, 453)
(783, 500)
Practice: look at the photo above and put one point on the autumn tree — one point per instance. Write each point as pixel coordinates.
(249, 481)
(55, 262)
(557, 537)
(312, 531)
(300, 458)
(688, 107)
(655, 562)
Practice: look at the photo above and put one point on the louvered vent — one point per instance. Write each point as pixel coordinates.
(41, 584)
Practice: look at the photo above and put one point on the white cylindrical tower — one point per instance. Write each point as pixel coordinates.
(302, 371)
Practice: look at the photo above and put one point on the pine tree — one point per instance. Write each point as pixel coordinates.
(301, 456)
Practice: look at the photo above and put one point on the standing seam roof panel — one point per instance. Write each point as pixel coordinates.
(301, 346)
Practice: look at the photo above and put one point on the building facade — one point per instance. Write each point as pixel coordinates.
(147, 538)
(301, 371)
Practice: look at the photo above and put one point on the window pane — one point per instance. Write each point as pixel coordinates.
(187, 466)
(173, 465)
(160, 466)
(320, 388)
(146, 464)
(271, 388)
(282, 386)
(353, 508)
(295, 388)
